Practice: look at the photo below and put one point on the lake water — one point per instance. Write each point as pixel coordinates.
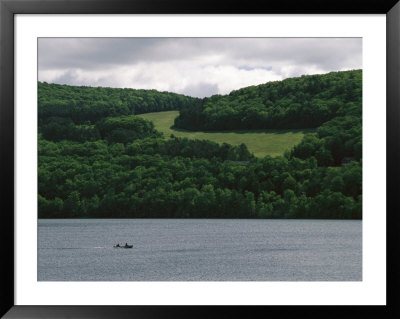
(199, 250)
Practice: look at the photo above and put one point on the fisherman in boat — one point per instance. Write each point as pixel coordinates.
(126, 244)
(118, 245)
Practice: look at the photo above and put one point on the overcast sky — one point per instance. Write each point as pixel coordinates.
(192, 66)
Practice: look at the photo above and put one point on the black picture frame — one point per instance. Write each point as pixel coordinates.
(8, 8)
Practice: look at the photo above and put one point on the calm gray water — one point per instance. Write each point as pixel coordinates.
(200, 250)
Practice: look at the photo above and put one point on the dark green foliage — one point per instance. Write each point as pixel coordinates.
(82, 104)
(60, 128)
(167, 179)
(335, 140)
(125, 129)
(112, 164)
(73, 112)
(304, 102)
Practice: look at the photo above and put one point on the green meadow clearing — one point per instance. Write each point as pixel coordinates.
(259, 142)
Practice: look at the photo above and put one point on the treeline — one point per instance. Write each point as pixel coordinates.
(303, 102)
(154, 178)
(84, 104)
(115, 164)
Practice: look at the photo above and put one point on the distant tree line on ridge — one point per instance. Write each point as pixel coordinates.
(303, 102)
(83, 104)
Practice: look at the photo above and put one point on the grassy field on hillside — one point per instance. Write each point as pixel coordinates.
(259, 142)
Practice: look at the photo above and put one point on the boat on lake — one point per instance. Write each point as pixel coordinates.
(125, 246)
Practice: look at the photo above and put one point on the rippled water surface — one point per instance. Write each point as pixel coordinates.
(199, 250)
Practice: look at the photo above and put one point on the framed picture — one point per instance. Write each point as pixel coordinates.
(308, 79)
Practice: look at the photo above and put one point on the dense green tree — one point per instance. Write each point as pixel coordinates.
(72, 206)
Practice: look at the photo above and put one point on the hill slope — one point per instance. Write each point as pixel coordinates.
(303, 102)
(97, 160)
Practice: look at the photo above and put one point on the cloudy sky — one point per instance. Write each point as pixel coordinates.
(192, 66)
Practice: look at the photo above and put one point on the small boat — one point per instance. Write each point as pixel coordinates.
(125, 246)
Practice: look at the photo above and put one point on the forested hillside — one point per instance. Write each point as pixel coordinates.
(82, 104)
(332, 102)
(303, 102)
(113, 164)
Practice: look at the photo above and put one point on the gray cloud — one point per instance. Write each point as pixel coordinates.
(194, 66)
(67, 77)
(201, 89)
